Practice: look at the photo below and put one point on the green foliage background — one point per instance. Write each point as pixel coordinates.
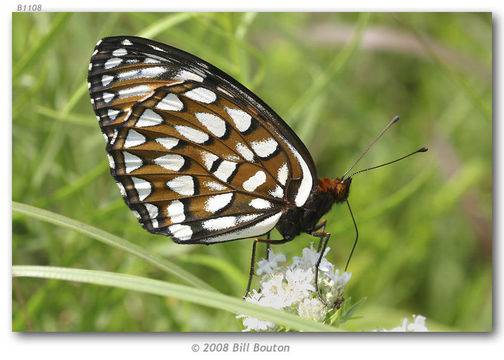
(425, 224)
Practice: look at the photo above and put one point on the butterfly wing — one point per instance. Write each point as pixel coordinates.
(196, 155)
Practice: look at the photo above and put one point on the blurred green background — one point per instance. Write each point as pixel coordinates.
(425, 224)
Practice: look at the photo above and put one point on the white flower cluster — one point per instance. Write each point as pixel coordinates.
(292, 289)
(418, 325)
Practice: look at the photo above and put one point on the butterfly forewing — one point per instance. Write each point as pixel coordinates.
(195, 154)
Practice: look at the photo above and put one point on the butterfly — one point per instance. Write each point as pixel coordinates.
(199, 157)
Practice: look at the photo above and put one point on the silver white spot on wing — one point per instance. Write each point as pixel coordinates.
(278, 192)
(201, 94)
(214, 186)
(260, 204)
(176, 211)
(112, 113)
(246, 218)
(156, 48)
(225, 170)
(149, 60)
(306, 185)
(134, 138)
(140, 90)
(106, 79)
(181, 232)
(168, 142)
(152, 71)
(148, 72)
(137, 215)
(170, 102)
(107, 97)
(220, 223)
(142, 187)
(192, 134)
(208, 159)
(126, 42)
(245, 152)
(232, 157)
(149, 118)
(218, 202)
(254, 181)
(241, 119)
(131, 162)
(114, 136)
(262, 227)
(112, 62)
(119, 52)
(224, 91)
(187, 75)
(213, 123)
(153, 214)
(283, 173)
(126, 75)
(111, 161)
(172, 162)
(121, 189)
(183, 185)
(264, 148)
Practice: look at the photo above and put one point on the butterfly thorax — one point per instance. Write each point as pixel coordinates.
(337, 188)
(304, 219)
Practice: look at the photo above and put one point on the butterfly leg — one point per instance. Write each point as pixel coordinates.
(322, 226)
(268, 241)
(324, 239)
(268, 236)
(251, 273)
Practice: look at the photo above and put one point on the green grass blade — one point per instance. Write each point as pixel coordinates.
(166, 23)
(324, 79)
(55, 139)
(72, 118)
(110, 239)
(77, 184)
(234, 276)
(36, 52)
(181, 292)
(399, 196)
(450, 72)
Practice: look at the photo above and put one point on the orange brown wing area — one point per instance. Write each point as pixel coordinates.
(192, 158)
(189, 164)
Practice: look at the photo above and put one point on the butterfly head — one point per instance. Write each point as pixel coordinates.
(336, 187)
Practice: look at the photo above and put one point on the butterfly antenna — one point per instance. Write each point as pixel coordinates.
(424, 149)
(392, 122)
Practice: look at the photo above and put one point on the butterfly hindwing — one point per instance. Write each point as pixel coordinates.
(195, 154)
